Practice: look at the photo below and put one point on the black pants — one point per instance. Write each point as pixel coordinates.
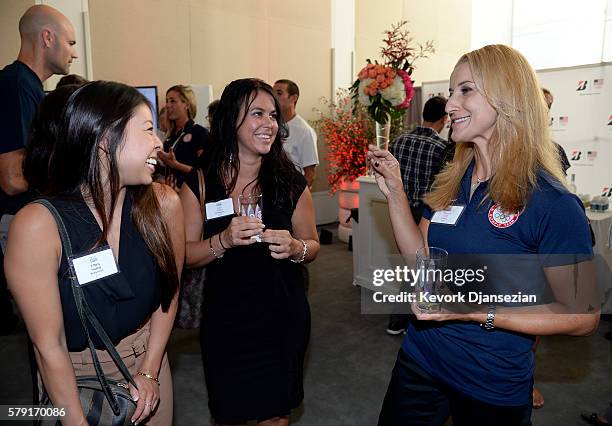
(414, 398)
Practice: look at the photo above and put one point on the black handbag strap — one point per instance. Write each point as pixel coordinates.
(88, 317)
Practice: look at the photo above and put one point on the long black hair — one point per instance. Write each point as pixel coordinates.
(277, 173)
(94, 119)
(43, 138)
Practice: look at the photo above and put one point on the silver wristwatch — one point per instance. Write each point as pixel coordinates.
(488, 325)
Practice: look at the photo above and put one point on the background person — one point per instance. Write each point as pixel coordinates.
(186, 140)
(71, 79)
(98, 176)
(478, 366)
(301, 144)
(47, 48)
(565, 164)
(212, 107)
(256, 319)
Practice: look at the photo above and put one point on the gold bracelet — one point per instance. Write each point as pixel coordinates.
(148, 376)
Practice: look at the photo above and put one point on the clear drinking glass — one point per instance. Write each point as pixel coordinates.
(251, 205)
(430, 264)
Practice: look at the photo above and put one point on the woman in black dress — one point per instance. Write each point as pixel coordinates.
(256, 319)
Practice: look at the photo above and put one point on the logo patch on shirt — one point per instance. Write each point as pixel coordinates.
(187, 137)
(501, 219)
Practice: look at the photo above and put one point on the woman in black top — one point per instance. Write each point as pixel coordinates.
(255, 319)
(93, 160)
(186, 139)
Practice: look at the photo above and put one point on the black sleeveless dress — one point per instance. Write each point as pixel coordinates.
(255, 321)
(121, 302)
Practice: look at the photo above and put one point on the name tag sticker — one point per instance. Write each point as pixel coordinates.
(219, 208)
(449, 216)
(94, 265)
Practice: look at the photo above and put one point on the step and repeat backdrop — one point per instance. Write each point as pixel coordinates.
(581, 121)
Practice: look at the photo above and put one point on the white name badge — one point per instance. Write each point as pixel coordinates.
(449, 216)
(219, 208)
(94, 265)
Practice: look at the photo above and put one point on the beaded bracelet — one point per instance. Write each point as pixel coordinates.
(148, 376)
(212, 250)
(304, 252)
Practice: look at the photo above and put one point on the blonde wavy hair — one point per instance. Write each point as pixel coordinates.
(186, 94)
(520, 145)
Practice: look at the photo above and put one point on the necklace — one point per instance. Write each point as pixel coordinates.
(478, 182)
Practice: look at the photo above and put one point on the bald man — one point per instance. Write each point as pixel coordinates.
(47, 48)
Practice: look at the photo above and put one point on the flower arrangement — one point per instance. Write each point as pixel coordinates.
(386, 89)
(346, 133)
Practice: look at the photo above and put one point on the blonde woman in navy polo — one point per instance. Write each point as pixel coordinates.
(514, 210)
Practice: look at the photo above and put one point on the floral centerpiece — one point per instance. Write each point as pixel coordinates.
(386, 89)
(381, 94)
(346, 132)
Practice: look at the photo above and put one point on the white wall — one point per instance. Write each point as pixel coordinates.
(343, 44)
(491, 23)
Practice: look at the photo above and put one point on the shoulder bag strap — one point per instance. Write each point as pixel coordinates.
(87, 316)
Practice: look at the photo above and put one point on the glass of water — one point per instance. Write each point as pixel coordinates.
(251, 205)
(430, 264)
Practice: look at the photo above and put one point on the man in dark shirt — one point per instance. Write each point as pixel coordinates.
(420, 155)
(47, 48)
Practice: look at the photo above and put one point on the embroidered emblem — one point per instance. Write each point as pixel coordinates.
(187, 137)
(501, 219)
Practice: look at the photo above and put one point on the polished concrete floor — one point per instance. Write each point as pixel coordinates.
(350, 360)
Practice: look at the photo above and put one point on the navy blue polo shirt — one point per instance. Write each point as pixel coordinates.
(497, 367)
(21, 91)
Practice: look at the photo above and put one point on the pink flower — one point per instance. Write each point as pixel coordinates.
(409, 88)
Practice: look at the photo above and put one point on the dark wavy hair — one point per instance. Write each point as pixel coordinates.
(43, 138)
(70, 144)
(277, 173)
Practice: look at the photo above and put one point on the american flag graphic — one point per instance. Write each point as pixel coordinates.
(591, 155)
(598, 83)
(564, 120)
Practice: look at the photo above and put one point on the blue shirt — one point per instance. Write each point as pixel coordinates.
(497, 367)
(21, 91)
